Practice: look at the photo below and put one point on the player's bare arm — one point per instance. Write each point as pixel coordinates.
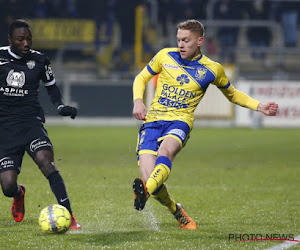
(139, 110)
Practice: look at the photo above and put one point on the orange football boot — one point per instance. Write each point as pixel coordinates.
(185, 221)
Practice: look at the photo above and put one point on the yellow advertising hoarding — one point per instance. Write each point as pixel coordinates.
(53, 33)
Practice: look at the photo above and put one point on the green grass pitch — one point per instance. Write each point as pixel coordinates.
(230, 181)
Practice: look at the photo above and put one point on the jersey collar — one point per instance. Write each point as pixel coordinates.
(196, 58)
(13, 54)
(193, 60)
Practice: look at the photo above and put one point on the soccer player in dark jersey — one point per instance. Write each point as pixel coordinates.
(184, 75)
(22, 118)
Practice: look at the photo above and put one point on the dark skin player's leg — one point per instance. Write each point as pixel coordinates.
(45, 161)
(8, 179)
(9, 185)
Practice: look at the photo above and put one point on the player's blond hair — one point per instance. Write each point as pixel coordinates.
(192, 25)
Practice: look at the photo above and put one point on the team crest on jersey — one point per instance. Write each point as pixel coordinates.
(15, 79)
(30, 64)
(201, 73)
(182, 79)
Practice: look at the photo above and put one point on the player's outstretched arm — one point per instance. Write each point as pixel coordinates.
(139, 109)
(56, 98)
(269, 108)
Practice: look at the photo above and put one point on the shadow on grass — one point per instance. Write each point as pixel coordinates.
(112, 238)
(133, 238)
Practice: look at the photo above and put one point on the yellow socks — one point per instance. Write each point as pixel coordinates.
(160, 174)
(164, 198)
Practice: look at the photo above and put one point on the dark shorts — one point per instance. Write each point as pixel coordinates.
(13, 146)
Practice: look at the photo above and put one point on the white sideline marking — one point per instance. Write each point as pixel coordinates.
(286, 244)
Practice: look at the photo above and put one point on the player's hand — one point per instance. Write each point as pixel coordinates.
(67, 111)
(269, 108)
(139, 110)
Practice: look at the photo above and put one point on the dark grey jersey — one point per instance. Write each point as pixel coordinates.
(19, 86)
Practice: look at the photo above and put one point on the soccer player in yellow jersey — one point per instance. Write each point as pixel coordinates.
(184, 75)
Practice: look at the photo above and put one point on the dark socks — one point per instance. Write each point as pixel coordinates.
(59, 189)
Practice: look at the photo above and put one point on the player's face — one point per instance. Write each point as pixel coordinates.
(21, 41)
(189, 43)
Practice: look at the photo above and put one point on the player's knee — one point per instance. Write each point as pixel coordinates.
(47, 167)
(46, 164)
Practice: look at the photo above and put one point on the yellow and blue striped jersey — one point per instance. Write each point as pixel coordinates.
(181, 85)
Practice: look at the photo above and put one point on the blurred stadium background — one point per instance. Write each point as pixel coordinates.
(97, 47)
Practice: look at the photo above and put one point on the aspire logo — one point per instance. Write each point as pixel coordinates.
(262, 237)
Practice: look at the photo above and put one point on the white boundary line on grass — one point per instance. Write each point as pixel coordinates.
(286, 244)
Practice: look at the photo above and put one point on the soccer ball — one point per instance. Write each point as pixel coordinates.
(55, 219)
